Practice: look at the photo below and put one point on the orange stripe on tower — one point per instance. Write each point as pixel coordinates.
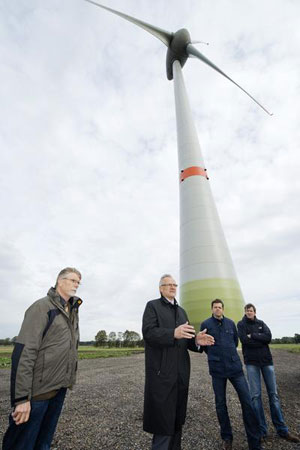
(191, 171)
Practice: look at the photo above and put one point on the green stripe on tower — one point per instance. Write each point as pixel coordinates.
(196, 297)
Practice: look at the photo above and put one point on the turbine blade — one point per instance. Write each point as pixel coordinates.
(192, 51)
(164, 36)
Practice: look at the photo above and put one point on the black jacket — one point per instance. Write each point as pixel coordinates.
(255, 349)
(223, 358)
(167, 367)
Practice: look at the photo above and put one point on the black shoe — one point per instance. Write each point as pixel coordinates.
(290, 437)
(227, 445)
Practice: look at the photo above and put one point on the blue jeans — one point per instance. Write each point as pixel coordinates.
(249, 417)
(37, 433)
(254, 378)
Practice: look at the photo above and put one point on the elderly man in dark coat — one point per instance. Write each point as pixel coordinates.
(167, 336)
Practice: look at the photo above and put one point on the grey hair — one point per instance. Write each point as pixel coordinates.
(65, 272)
(166, 275)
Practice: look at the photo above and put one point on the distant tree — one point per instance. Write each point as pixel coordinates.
(119, 340)
(101, 338)
(287, 340)
(130, 338)
(87, 343)
(112, 337)
(5, 341)
(297, 338)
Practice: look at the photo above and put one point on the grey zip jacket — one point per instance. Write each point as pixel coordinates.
(45, 353)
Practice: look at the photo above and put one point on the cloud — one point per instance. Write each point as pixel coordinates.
(89, 159)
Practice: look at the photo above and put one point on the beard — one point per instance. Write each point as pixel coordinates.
(72, 292)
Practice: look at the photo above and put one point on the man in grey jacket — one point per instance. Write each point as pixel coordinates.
(44, 365)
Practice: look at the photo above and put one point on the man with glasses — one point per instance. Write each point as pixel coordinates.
(44, 365)
(168, 336)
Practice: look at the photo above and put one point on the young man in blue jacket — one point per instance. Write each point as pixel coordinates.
(255, 337)
(224, 364)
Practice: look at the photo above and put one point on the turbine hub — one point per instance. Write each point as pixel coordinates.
(177, 50)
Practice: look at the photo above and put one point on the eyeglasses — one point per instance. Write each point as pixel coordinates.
(170, 285)
(73, 281)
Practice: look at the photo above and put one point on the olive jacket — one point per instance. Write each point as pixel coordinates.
(44, 358)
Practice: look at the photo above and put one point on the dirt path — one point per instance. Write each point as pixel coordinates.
(104, 411)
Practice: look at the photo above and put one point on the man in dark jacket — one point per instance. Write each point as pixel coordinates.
(167, 336)
(44, 365)
(225, 364)
(255, 337)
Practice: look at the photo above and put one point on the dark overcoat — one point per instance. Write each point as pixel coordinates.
(167, 367)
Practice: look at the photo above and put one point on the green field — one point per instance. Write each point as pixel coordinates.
(5, 352)
(84, 352)
(89, 352)
(293, 348)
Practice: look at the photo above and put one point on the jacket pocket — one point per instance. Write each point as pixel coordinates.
(163, 362)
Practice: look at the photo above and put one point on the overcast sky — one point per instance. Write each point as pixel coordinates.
(89, 159)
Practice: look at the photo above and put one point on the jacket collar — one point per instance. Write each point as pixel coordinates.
(167, 302)
(245, 319)
(75, 302)
(218, 320)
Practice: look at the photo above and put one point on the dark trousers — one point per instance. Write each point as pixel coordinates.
(37, 433)
(250, 421)
(160, 442)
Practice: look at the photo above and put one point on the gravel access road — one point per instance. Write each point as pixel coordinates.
(104, 411)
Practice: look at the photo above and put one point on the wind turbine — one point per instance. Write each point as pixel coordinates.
(206, 268)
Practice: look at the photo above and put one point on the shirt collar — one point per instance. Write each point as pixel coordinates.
(218, 320)
(169, 302)
(64, 302)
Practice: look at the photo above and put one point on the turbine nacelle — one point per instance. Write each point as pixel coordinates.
(177, 50)
(179, 47)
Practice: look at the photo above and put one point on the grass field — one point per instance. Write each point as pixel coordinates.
(89, 352)
(84, 352)
(293, 348)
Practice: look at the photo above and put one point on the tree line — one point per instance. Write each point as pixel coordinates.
(119, 339)
(287, 340)
(133, 339)
(102, 339)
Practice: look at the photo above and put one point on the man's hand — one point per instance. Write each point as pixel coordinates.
(21, 413)
(249, 336)
(204, 339)
(184, 331)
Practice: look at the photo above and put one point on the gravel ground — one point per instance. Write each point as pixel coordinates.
(104, 411)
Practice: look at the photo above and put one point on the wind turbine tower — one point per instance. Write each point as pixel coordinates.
(206, 268)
